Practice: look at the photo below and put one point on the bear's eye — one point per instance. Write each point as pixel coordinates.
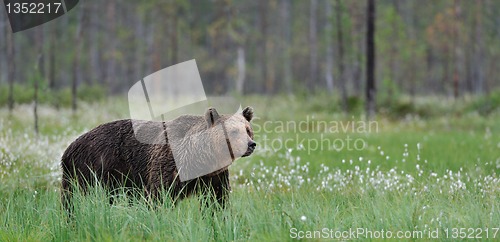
(248, 131)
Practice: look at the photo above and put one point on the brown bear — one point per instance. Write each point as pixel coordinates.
(112, 155)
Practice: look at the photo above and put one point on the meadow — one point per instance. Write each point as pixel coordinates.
(316, 173)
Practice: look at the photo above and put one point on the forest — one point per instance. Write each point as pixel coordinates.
(422, 48)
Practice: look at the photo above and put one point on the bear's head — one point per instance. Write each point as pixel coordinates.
(210, 146)
(237, 133)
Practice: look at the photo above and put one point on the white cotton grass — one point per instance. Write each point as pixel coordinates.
(34, 159)
(291, 173)
(39, 156)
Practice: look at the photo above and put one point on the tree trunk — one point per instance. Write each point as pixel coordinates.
(263, 30)
(286, 23)
(394, 51)
(341, 63)
(39, 73)
(155, 38)
(140, 50)
(3, 47)
(11, 65)
(329, 47)
(370, 60)
(35, 95)
(478, 72)
(313, 45)
(410, 20)
(173, 35)
(357, 13)
(152, 53)
(357, 73)
(111, 45)
(95, 58)
(38, 76)
(240, 62)
(52, 57)
(456, 50)
(76, 60)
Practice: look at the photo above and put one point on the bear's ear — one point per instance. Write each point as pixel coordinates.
(211, 116)
(248, 113)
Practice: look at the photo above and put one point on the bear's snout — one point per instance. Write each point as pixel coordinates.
(251, 144)
(251, 148)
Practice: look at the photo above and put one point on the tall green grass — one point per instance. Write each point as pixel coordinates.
(415, 174)
(252, 215)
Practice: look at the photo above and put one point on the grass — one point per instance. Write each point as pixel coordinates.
(412, 174)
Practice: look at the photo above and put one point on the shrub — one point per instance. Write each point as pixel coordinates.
(487, 104)
(355, 105)
(24, 94)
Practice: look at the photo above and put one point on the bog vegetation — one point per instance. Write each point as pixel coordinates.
(415, 174)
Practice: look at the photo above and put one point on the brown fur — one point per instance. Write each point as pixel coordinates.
(112, 155)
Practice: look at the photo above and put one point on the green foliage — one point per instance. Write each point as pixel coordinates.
(355, 105)
(403, 106)
(322, 102)
(331, 103)
(487, 104)
(396, 105)
(24, 94)
(90, 94)
(388, 92)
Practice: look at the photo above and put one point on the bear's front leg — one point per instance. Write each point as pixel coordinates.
(222, 188)
(216, 190)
